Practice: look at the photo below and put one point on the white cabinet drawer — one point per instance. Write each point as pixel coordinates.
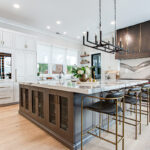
(6, 92)
(6, 100)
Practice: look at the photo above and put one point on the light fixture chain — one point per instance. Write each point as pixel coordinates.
(100, 14)
(115, 19)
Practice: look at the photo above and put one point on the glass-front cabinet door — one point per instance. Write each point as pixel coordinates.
(40, 104)
(63, 107)
(51, 110)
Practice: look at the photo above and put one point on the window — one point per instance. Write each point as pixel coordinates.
(53, 59)
(72, 60)
(43, 52)
(69, 69)
(43, 68)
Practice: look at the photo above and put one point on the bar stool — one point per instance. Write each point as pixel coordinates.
(133, 97)
(109, 106)
(146, 101)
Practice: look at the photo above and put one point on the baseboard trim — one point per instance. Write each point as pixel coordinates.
(9, 104)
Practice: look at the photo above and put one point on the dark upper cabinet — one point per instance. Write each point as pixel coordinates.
(145, 37)
(136, 40)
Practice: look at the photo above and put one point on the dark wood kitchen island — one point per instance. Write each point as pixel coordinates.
(56, 106)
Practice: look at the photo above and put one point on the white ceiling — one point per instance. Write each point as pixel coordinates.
(76, 15)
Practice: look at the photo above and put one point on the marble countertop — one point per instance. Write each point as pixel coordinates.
(86, 88)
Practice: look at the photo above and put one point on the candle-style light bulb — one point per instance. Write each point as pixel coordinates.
(113, 41)
(96, 39)
(120, 43)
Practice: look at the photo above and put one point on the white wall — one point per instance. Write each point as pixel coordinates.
(108, 61)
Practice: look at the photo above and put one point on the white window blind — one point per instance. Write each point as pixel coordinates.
(58, 55)
(72, 57)
(43, 52)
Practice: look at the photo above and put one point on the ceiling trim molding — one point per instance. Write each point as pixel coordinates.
(35, 30)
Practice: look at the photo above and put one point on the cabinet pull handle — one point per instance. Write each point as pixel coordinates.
(4, 97)
(5, 87)
(3, 42)
(26, 46)
(15, 75)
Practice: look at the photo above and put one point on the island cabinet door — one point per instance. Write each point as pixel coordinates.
(21, 98)
(25, 99)
(34, 103)
(59, 113)
(65, 115)
(51, 110)
(41, 104)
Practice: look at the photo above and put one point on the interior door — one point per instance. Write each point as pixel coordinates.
(96, 63)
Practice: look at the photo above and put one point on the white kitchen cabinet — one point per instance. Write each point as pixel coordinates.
(19, 42)
(30, 65)
(6, 92)
(25, 66)
(23, 42)
(0, 38)
(6, 39)
(23, 49)
(19, 64)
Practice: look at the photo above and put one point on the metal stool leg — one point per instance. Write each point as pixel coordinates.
(136, 121)
(108, 123)
(140, 112)
(100, 117)
(123, 124)
(116, 125)
(82, 123)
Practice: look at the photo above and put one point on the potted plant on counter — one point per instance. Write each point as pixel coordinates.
(83, 73)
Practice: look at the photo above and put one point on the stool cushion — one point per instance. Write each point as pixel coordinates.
(131, 100)
(114, 95)
(144, 95)
(146, 86)
(135, 89)
(103, 107)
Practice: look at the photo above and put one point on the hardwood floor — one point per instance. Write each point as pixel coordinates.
(17, 133)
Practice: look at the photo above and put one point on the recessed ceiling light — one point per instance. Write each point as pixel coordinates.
(48, 27)
(16, 6)
(58, 22)
(112, 22)
(78, 37)
(65, 33)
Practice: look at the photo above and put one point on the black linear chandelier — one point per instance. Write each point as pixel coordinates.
(103, 45)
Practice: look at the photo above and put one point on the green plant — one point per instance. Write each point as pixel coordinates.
(79, 71)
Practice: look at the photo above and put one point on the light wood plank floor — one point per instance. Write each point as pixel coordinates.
(17, 133)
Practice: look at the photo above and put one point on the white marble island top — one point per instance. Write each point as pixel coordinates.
(86, 88)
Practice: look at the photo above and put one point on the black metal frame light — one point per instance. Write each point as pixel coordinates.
(103, 45)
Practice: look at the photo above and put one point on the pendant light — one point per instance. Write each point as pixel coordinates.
(100, 44)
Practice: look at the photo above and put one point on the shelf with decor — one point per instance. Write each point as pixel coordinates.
(85, 55)
(84, 62)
